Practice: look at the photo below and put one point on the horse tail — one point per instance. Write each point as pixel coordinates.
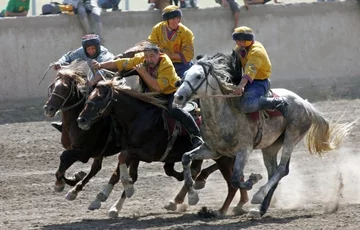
(323, 135)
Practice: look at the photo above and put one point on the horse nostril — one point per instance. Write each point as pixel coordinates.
(180, 98)
(81, 120)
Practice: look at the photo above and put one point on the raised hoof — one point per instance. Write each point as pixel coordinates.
(113, 213)
(258, 198)
(59, 187)
(238, 210)
(193, 197)
(71, 195)
(79, 175)
(101, 197)
(254, 213)
(199, 184)
(171, 206)
(96, 204)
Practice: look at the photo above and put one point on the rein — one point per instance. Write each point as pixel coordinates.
(65, 99)
(207, 73)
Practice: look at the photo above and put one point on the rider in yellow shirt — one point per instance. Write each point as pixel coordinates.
(174, 39)
(255, 83)
(158, 73)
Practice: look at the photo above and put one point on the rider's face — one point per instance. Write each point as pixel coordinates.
(240, 43)
(91, 50)
(174, 23)
(151, 58)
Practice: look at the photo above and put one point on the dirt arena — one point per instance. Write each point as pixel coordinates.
(308, 198)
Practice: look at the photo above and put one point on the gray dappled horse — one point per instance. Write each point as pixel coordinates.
(228, 131)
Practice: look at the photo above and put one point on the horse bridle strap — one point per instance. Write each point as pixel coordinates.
(63, 98)
(109, 97)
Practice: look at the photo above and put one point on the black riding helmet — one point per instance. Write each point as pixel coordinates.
(91, 40)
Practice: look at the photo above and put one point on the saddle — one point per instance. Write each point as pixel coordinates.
(268, 113)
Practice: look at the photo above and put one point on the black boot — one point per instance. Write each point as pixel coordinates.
(57, 125)
(274, 103)
(190, 125)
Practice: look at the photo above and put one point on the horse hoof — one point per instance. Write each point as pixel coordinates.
(199, 184)
(193, 197)
(113, 213)
(129, 191)
(101, 197)
(171, 206)
(79, 175)
(71, 195)
(59, 187)
(254, 213)
(238, 210)
(96, 204)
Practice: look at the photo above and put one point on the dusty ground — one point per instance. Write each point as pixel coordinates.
(29, 153)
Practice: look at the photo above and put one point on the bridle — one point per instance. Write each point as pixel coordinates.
(208, 68)
(65, 99)
(107, 100)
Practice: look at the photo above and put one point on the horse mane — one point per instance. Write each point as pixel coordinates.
(139, 47)
(74, 71)
(219, 69)
(151, 97)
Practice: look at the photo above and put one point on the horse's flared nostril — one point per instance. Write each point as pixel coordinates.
(49, 108)
(180, 98)
(81, 120)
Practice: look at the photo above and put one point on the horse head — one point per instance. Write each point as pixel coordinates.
(213, 71)
(63, 93)
(97, 104)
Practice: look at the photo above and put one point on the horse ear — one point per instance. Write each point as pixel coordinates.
(198, 57)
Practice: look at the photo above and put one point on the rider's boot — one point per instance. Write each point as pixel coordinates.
(190, 125)
(278, 103)
(57, 125)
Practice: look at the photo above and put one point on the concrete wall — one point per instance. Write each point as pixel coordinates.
(314, 47)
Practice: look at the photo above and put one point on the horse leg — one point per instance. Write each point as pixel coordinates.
(200, 180)
(66, 160)
(116, 208)
(95, 168)
(124, 175)
(275, 173)
(105, 193)
(170, 171)
(199, 153)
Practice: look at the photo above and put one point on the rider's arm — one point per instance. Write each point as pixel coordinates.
(186, 53)
(153, 37)
(252, 66)
(73, 55)
(129, 63)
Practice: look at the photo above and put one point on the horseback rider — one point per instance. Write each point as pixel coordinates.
(174, 39)
(255, 82)
(90, 50)
(159, 75)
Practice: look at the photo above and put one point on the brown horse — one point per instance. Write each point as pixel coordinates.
(145, 139)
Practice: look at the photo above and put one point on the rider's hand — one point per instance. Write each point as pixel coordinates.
(140, 68)
(95, 65)
(239, 90)
(57, 66)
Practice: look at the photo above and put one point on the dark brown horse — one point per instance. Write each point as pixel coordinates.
(140, 116)
(80, 145)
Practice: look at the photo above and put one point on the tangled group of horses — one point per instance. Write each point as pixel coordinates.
(113, 118)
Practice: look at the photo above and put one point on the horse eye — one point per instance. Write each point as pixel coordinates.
(198, 77)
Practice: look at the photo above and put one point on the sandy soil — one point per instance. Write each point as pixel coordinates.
(306, 199)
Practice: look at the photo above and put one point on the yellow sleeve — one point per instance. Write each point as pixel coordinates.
(187, 48)
(129, 63)
(167, 76)
(153, 37)
(253, 65)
